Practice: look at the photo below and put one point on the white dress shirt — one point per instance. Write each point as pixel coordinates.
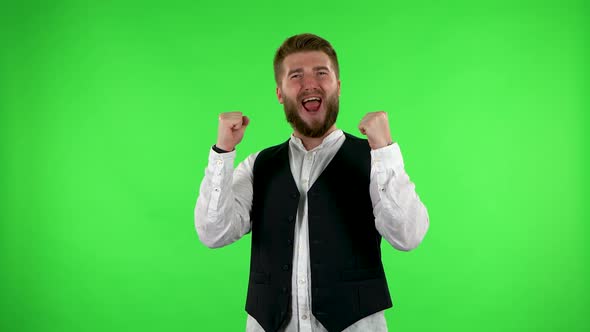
(222, 214)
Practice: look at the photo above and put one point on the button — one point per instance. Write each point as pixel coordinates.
(219, 162)
(285, 267)
(284, 289)
(302, 281)
(304, 317)
(216, 189)
(291, 218)
(294, 195)
(289, 241)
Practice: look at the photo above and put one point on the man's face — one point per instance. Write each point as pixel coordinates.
(309, 92)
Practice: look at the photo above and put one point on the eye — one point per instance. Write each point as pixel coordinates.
(295, 76)
(321, 73)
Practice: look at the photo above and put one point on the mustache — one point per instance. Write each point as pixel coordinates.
(312, 93)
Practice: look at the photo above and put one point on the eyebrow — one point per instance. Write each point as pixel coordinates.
(300, 70)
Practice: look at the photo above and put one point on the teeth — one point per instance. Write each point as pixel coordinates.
(310, 99)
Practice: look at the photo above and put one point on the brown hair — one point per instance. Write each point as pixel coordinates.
(302, 43)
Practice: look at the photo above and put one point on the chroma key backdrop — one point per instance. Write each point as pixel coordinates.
(108, 110)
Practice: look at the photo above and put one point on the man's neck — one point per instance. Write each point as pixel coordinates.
(310, 143)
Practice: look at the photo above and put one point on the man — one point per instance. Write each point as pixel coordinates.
(317, 205)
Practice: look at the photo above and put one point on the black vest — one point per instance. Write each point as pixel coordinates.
(347, 278)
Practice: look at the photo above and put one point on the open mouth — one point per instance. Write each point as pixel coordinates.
(312, 104)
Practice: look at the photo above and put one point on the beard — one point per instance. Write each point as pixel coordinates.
(316, 128)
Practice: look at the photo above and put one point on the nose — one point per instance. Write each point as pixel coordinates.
(309, 82)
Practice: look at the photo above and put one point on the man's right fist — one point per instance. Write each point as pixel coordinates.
(231, 130)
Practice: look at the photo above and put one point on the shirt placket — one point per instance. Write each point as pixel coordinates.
(302, 275)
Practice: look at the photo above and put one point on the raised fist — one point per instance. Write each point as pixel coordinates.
(376, 126)
(231, 130)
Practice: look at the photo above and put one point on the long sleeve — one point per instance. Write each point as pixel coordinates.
(400, 217)
(222, 211)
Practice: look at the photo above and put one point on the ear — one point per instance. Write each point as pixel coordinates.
(338, 88)
(279, 95)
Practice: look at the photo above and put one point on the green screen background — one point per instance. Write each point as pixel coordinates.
(108, 110)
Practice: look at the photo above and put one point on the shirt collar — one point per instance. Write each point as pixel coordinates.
(328, 141)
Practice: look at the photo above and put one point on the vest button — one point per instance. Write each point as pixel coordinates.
(284, 289)
(294, 195)
(285, 267)
(291, 218)
(289, 241)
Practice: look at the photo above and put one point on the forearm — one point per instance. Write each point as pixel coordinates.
(400, 216)
(222, 208)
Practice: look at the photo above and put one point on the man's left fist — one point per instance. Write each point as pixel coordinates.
(376, 126)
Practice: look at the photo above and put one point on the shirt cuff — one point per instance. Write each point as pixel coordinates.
(218, 150)
(387, 157)
(221, 160)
